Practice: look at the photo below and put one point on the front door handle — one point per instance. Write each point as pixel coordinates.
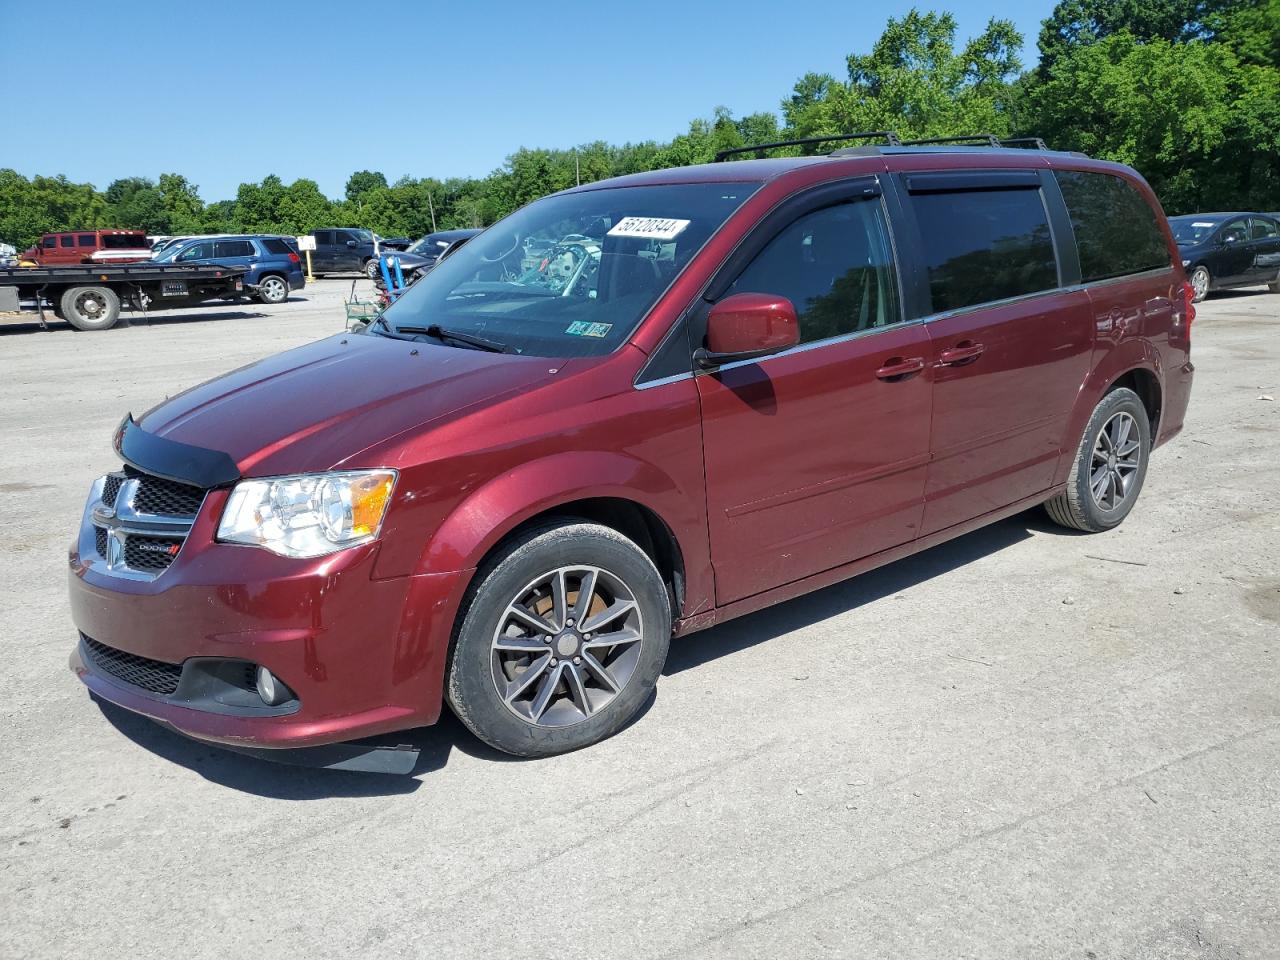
(966, 351)
(899, 368)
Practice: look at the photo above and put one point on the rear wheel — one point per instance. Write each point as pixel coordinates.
(562, 640)
(273, 289)
(1200, 282)
(1109, 468)
(90, 308)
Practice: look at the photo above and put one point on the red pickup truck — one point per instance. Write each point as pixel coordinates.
(90, 246)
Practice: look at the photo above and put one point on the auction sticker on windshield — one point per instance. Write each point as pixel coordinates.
(580, 328)
(648, 228)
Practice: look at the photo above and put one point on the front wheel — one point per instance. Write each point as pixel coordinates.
(91, 308)
(1109, 468)
(371, 269)
(562, 640)
(1200, 281)
(273, 289)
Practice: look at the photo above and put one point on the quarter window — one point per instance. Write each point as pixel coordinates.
(88, 240)
(66, 240)
(50, 242)
(981, 246)
(1116, 230)
(836, 267)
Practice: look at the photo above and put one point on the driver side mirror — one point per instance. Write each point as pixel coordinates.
(746, 326)
(351, 243)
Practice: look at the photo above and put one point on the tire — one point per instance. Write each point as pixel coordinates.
(1274, 285)
(90, 308)
(585, 689)
(1092, 504)
(1201, 282)
(273, 288)
(371, 269)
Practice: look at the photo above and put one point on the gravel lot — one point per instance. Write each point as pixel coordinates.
(1006, 747)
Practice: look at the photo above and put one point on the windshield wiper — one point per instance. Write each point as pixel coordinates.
(471, 340)
(438, 332)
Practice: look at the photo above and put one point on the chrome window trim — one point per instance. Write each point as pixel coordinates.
(930, 318)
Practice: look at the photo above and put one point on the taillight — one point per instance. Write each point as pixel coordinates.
(294, 258)
(1189, 296)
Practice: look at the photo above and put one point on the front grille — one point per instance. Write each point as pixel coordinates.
(154, 676)
(100, 540)
(111, 488)
(149, 553)
(168, 497)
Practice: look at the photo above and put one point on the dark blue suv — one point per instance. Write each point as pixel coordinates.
(274, 267)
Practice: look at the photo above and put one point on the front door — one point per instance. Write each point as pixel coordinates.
(816, 457)
(1232, 261)
(322, 256)
(1264, 238)
(1010, 347)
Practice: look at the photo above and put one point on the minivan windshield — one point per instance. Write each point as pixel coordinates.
(1189, 230)
(569, 275)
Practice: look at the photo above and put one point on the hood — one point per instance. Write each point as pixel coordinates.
(311, 408)
(411, 261)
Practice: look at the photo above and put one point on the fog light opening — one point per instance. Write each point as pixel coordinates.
(271, 690)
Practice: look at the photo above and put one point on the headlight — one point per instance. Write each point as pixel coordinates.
(308, 515)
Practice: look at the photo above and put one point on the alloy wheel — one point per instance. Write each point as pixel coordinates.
(1200, 282)
(1117, 456)
(566, 645)
(90, 305)
(274, 290)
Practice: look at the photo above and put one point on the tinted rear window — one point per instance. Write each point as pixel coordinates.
(985, 245)
(67, 241)
(122, 241)
(276, 245)
(88, 240)
(1116, 229)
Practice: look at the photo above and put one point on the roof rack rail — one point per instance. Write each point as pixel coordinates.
(888, 136)
(1026, 143)
(986, 139)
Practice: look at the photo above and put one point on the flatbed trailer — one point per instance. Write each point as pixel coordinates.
(90, 297)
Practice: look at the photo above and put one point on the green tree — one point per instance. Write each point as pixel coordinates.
(363, 182)
(916, 82)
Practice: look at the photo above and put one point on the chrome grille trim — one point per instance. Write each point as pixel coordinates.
(118, 540)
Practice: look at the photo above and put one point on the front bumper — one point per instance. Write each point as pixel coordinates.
(364, 656)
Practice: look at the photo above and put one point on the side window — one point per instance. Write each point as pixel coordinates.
(342, 237)
(233, 248)
(836, 266)
(87, 240)
(66, 240)
(1263, 229)
(276, 246)
(50, 242)
(1235, 231)
(1116, 230)
(197, 251)
(324, 238)
(985, 245)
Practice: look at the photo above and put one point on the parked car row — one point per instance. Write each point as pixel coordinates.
(1224, 250)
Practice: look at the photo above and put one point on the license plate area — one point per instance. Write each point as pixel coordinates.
(173, 288)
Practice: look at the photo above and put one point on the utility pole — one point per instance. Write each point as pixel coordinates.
(431, 205)
(577, 172)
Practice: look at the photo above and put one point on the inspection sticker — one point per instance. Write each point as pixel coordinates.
(1202, 224)
(648, 228)
(580, 328)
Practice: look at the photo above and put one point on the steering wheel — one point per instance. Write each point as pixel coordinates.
(515, 242)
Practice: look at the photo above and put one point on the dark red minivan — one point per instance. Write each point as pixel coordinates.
(624, 413)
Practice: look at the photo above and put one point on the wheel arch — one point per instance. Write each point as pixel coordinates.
(625, 494)
(1134, 364)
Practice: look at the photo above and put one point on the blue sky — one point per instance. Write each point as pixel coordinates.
(229, 92)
